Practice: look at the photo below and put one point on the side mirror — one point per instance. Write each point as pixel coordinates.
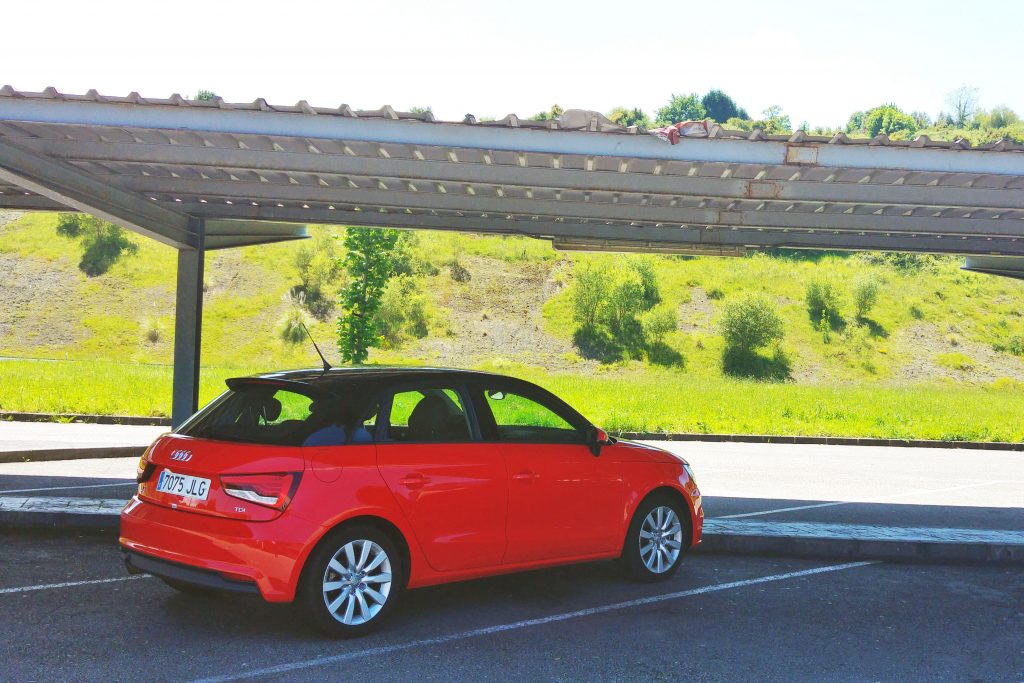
(595, 439)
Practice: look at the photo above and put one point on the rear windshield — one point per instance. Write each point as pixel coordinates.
(283, 416)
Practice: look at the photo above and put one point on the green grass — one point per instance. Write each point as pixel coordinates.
(848, 385)
(657, 401)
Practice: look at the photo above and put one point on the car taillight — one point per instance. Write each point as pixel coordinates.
(272, 490)
(145, 468)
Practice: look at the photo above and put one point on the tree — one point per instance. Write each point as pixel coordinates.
(774, 121)
(629, 117)
(921, 119)
(1001, 117)
(750, 324)
(102, 243)
(888, 119)
(553, 114)
(963, 103)
(720, 107)
(865, 294)
(318, 268)
(368, 260)
(681, 108)
(589, 291)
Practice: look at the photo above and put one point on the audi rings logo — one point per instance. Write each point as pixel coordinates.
(181, 456)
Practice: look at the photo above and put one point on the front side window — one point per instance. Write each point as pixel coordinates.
(434, 415)
(523, 419)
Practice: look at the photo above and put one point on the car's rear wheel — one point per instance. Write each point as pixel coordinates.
(656, 540)
(351, 582)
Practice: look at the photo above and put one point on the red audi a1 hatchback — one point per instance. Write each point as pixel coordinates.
(337, 490)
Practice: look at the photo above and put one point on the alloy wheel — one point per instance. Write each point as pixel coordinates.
(357, 582)
(661, 539)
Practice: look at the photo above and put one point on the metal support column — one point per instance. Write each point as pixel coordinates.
(188, 324)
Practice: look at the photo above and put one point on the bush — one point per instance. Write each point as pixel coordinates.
(103, 243)
(588, 293)
(658, 322)
(823, 302)
(290, 328)
(319, 269)
(151, 330)
(750, 323)
(865, 293)
(459, 272)
(650, 294)
(916, 312)
(715, 293)
(404, 312)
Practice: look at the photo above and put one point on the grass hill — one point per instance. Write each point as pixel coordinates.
(934, 358)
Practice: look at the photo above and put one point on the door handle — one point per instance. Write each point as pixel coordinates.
(526, 475)
(414, 481)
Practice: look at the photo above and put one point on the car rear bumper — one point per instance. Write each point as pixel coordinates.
(137, 563)
(266, 555)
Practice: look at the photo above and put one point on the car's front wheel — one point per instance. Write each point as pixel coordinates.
(656, 540)
(351, 582)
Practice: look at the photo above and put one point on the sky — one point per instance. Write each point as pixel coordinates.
(819, 60)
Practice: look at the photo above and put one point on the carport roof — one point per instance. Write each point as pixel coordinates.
(253, 171)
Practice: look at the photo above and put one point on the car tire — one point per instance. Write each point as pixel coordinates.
(351, 582)
(657, 539)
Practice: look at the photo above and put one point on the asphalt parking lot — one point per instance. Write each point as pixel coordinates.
(722, 618)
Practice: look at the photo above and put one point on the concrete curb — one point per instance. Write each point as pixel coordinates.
(824, 440)
(89, 419)
(833, 541)
(632, 436)
(72, 453)
(853, 542)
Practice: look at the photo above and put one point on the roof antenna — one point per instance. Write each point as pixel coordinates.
(327, 366)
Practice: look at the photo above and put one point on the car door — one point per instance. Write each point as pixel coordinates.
(452, 488)
(563, 501)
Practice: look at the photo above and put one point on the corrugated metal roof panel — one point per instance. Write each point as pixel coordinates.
(574, 119)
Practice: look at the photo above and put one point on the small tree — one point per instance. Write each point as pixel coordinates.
(750, 324)
(681, 108)
(865, 293)
(588, 293)
(964, 103)
(658, 322)
(720, 107)
(624, 116)
(368, 260)
(823, 301)
(552, 114)
(318, 268)
(102, 243)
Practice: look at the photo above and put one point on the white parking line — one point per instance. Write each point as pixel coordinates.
(895, 496)
(69, 584)
(516, 625)
(68, 488)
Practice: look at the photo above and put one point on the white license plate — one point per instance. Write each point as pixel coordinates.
(183, 485)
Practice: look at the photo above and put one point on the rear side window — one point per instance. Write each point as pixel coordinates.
(267, 414)
(522, 419)
(434, 415)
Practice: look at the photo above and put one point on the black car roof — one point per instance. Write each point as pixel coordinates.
(378, 376)
(373, 372)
